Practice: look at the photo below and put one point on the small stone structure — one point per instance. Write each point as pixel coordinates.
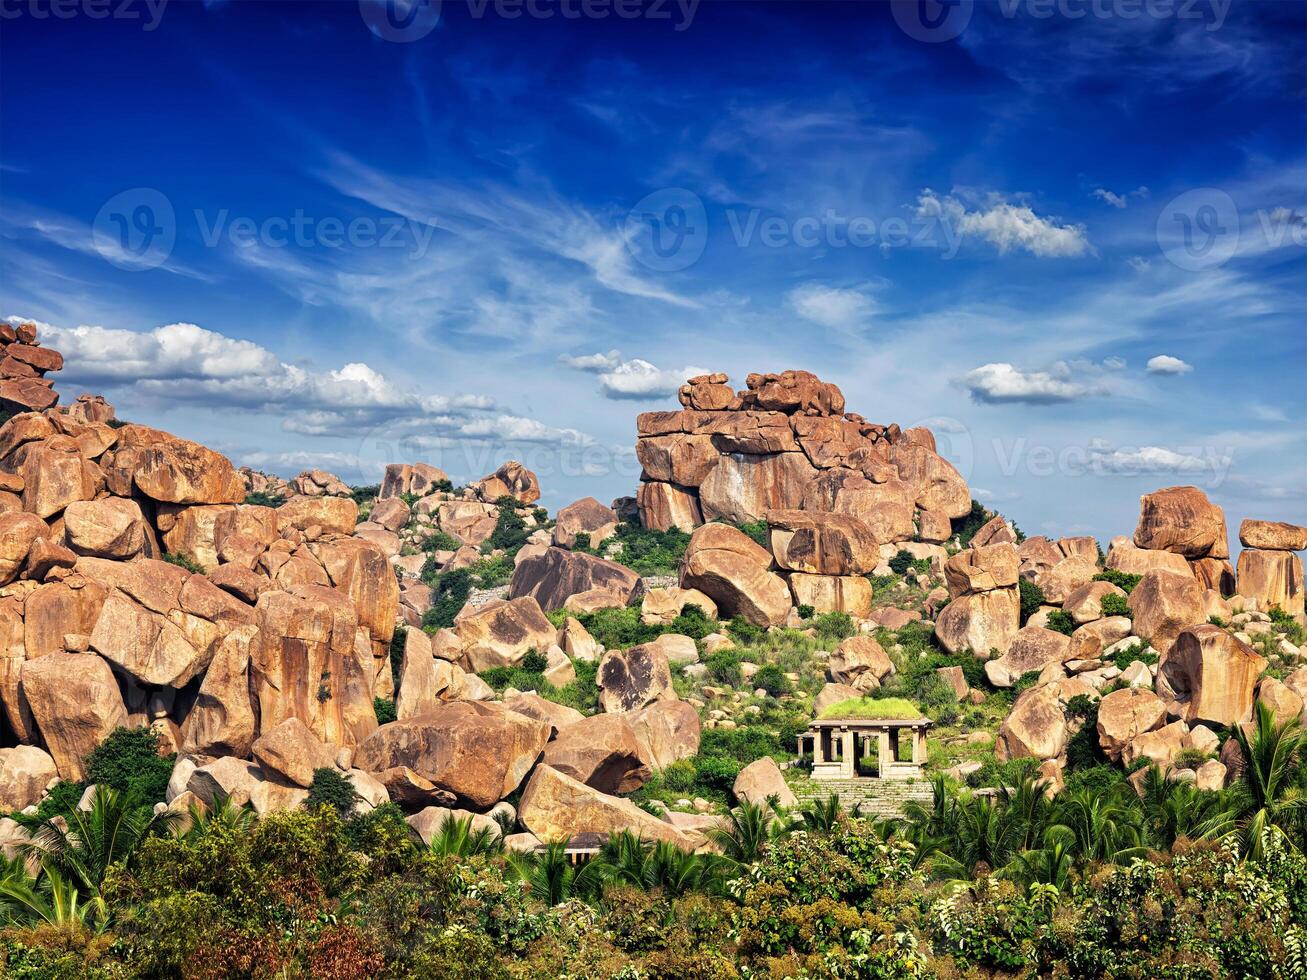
(838, 743)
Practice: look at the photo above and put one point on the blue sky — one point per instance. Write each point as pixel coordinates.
(1068, 235)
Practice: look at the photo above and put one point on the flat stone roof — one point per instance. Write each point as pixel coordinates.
(870, 723)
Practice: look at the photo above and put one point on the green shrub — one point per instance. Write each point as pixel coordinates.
(965, 528)
(330, 787)
(901, 562)
(1135, 651)
(365, 495)
(617, 628)
(724, 666)
(534, 662)
(1115, 605)
(262, 499)
(493, 572)
(1060, 621)
(692, 622)
(771, 679)
(835, 626)
(129, 761)
(510, 531)
(890, 708)
(1125, 581)
(805, 611)
(449, 594)
(385, 710)
(758, 531)
(743, 631)
(59, 802)
(1032, 597)
(183, 561)
(647, 551)
(439, 541)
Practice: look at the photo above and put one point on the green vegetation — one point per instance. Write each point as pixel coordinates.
(439, 541)
(582, 694)
(331, 788)
(645, 551)
(1115, 605)
(129, 762)
(262, 499)
(1060, 621)
(510, 531)
(1032, 597)
(184, 561)
(385, 710)
(449, 593)
(364, 496)
(1124, 581)
(758, 531)
(884, 708)
(901, 562)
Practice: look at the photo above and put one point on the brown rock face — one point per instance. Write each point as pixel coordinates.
(1163, 604)
(1182, 520)
(1273, 578)
(418, 479)
(761, 781)
(630, 679)
(733, 570)
(24, 772)
(743, 488)
(76, 705)
(857, 659)
(18, 532)
(23, 364)
(292, 752)
(1273, 536)
(981, 569)
(308, 665)
(1059, 581)
(222, 721)
(663, 506)
(600, 751)
(556, 807)
(666, 731)
(479, 752)
(587, 516)
(980, 622)
(112, 527)
(1036, 727)
(822, 544)
(170, 470)
(1214, 573)
(510, 480)
(1126, 714)
(850, 594)
(331, 515)
(1212, 673)
(502, 635)
(557, 574)
(1125, 557)
(1033, 648)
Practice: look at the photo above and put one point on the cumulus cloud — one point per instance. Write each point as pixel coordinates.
(830, 306)
(1005, 225)
(1166, 364)
(635, 379)
(1156, 459)
(1001, 382)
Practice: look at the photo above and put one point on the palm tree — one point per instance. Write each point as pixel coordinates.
(1048, 865)
(223, 814)
(822, 817)
(1027, 805)
(94, 840)
(554, 879)
(1269, 797)
(1174, 809)
(663, 865)
(456, 838)
(1102, 827)
(985, 835)
(751, 826)
(50, 899)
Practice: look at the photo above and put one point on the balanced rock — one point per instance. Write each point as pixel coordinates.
(980, 622)
(600, 751)
(1273, 578)
(1126, 714)
(1032, 649)
(557, 574)
(1211, 673)
(1273, 535)
(860, 662)
(761, 781)
(512, 479)
(501, 635)
(1163, 604)
(586, 516)
(1183, 521)
(733, 570)
(822, 544)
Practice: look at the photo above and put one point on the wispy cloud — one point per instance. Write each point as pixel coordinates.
(831, 306)
(1007, 226)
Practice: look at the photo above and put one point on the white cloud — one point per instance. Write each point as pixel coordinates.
(639, 380)
(1155, 459)
(1005, 225)
(1002, 382)
(1119, 201)
(1166, 364)
(830, 306)
(596, 363)
(1114, 363)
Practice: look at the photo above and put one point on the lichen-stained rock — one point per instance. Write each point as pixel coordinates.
(587, 516)
(191, 530)
(418, 479)
(18, 532)
(76, 705)
(1273, 578)
(419, 685)
(13, 653)
(749, 433)
(478, 751)
(937, 484)
(55, 610)
(981, 569)
(556, 807)
(55, 475)
(665, 732)
(512, 479)
(997, 531)
(600, 751)
(471, 521)
(1036, 728)
(557, 716)
(222, 720)
(677, 458)
(822, 543)
(663, 506)
(1082, 546)
(291, 751)
(1211, 673)
(850, 594)
(170, 470)
(1059, 581)
(25, 770)
(630, 679)
(242, 533)
(828, 441)
(1125, 557)
(1273, 535)
(307, 665)
(391, 513)
(706, 392)
(1182, 520)
(1126, 714)
(1085, 604)
(501, 635)
(1163, 604)
(792, 392)
(556, 574)
(980, 622)
(744, 487)
(761, 781)
(111, 527)
(332, 515)
(1033, 648)
(733, 570)
(1214, 573)
(886, 508)
(659, 607)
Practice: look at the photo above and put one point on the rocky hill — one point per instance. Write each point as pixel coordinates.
(635, 666)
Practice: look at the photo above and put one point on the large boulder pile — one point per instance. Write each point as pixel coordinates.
(984, 611)
(24, 364)
(785, 443)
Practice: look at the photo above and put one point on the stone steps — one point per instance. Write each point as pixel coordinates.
(877, 798)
